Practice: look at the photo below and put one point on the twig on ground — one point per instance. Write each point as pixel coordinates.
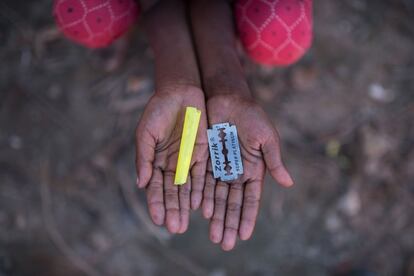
(50, 226)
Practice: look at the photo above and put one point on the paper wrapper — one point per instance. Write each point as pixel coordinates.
(188, 138)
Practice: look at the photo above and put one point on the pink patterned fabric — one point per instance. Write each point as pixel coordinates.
(275, 32)
(95, 23)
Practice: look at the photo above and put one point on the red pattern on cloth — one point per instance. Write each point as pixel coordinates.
(95, 23)
(274, 32)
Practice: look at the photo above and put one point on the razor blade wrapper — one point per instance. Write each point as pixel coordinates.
(188, 138)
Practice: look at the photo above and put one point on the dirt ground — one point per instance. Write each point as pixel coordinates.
(68, 202)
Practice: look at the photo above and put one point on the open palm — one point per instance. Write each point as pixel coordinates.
(233, 207)
(157, 142)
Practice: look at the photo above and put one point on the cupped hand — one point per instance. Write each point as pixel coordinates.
(233, 206)
(158, 136)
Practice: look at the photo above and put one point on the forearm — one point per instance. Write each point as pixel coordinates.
(170, 40)
(213, 30)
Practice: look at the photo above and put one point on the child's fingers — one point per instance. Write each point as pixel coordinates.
(197, 180)
(155, 197)
(145, 150)
(198, 170)
(171, 197)
(251, 199)
(217, 221)
(184, 196)
(273, 160)
(172, 205)
(234, 204)
(208, 193)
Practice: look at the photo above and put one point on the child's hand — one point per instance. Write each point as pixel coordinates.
(158, 141)
(159, 130)
(233, 207)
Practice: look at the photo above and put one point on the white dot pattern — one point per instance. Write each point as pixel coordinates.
(118, 18)
(258, 19)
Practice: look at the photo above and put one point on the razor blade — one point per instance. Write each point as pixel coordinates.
(225, 152)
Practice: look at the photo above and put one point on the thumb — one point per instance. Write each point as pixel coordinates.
(273, 161)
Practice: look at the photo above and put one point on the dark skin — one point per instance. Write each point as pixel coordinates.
(159, 130)
(231, 207)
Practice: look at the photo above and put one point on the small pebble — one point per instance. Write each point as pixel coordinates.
(15, 142)
(377, 92)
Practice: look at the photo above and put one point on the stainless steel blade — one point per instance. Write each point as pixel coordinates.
(225, 152)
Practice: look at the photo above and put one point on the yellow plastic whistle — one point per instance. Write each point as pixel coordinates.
(188, 137)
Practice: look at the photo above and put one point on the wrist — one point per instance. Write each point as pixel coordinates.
(229, 99)
(214, 36)
(222, 84)
(179, 89)
(170, 40)
(223, 74)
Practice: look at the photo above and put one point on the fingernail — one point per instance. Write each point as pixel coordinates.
(195, 203)
(289, 180)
